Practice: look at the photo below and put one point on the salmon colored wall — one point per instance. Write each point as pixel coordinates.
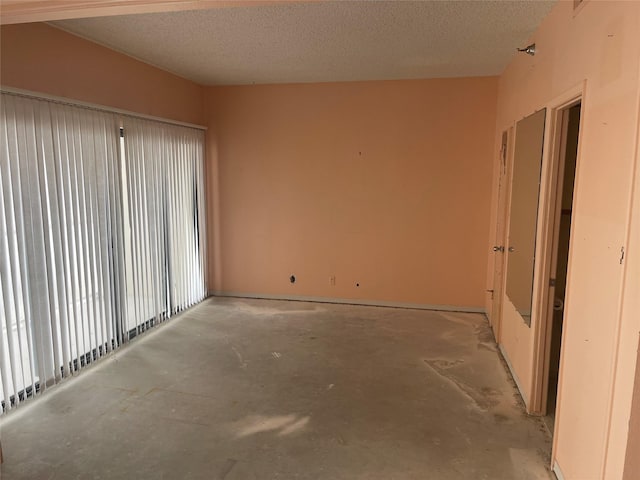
(44, 59)
(598, 44)
(385, 184)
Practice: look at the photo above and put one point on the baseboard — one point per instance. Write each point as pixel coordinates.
(513, 375)
(351, 301)
(556, 470)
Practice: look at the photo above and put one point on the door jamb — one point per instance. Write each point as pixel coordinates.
(547, 316)
(548, 205)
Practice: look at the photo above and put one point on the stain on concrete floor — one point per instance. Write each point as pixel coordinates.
(262, 389)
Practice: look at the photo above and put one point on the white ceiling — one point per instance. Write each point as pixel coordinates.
(323, 41)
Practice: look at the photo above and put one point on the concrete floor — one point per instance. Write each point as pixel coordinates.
(257, 389)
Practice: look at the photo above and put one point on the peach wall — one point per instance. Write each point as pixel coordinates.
(599, 44)
(385, 184)
(44, 59)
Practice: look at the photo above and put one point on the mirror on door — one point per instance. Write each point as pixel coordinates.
(523, 212)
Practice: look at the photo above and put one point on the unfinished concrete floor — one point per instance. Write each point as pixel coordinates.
(258, 389)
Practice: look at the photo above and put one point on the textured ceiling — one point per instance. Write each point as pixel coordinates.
(323, 41)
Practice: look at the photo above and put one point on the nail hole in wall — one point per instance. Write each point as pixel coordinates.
(292, 279)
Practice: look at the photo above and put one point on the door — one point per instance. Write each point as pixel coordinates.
(570, 121)
(498, 247)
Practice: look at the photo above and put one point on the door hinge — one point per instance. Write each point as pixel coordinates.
(621, 254)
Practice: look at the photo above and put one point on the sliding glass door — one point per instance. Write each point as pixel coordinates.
(163, 176)
(100, 235)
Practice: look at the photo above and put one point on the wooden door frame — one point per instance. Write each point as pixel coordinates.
(546, 255)
(556, 190)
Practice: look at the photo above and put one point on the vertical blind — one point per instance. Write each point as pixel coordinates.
(101, 235)
(164, 232)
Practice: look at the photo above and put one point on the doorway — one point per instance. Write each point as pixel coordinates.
(569, 125)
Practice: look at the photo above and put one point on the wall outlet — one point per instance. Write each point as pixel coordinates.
(332, 280)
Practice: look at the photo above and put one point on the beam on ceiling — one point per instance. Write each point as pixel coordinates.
(28, 11)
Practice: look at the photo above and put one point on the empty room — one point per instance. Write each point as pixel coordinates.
(315, 239)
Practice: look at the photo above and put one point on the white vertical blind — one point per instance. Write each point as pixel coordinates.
(55, 266)
(100, 235)
(163, 170)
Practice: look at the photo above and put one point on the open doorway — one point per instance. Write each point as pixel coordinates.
(569, 123)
